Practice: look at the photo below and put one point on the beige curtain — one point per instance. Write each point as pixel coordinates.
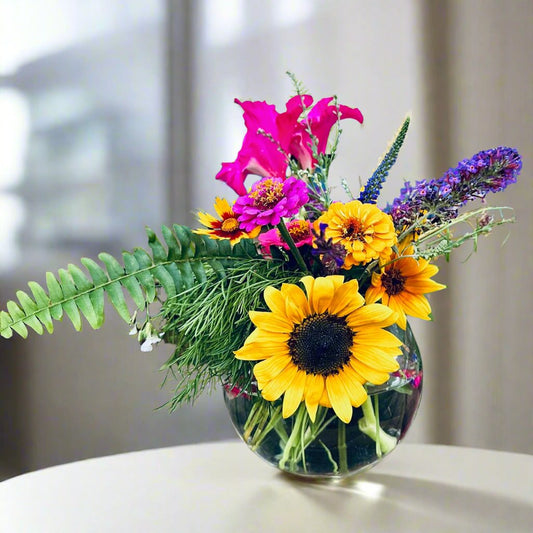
(479, 94)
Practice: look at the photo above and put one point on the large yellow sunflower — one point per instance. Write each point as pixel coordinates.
(364, 230)
(401, 285)
(322, 347)
(227, 227)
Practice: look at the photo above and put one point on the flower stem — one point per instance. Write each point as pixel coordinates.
(290, 243)
(369, 425)
(341, 445)
(292, 443)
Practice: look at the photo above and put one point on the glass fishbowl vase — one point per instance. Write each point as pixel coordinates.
(329, 447)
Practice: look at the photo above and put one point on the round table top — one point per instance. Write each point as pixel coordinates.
(223, 487)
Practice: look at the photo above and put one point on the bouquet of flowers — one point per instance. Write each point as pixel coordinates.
(295, 302)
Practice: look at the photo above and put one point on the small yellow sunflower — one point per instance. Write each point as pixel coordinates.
(322, 347)
(401, 285)
(227, 227)
(364, 230)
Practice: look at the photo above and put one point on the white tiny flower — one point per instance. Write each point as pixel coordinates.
(148, 344)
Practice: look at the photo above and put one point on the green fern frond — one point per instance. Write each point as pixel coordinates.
(184, 260)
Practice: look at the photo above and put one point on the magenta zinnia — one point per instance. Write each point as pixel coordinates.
(299, 230)
(269, 201)
(320, 348)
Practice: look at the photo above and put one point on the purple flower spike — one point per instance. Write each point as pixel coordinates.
(270, 200)
(488, 171)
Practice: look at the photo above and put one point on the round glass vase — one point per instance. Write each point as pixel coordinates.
(329, 447)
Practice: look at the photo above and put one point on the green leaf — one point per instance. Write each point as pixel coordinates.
(182, 261)
(56, 296)
(69, 292)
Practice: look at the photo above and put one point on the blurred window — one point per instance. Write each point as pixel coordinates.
(82, 130)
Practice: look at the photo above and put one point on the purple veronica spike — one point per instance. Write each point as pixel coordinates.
(488, 171)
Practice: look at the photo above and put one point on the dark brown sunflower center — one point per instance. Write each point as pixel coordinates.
(393, 281)
(321, 344)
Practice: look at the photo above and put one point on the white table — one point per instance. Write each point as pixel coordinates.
(223, 487)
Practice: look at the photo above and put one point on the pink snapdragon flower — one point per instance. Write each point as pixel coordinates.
(269, 200)
(272, 137)
(299, 230)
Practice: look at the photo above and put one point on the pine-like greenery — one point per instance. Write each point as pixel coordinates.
(209, 321)
(186, 259)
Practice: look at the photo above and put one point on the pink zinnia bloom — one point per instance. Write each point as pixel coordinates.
(299, 230)
(272, 137)
(269, 200)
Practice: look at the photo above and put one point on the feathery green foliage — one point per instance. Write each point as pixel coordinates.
(208, 322)
(443, 240)
(186, 259)
(373, 186)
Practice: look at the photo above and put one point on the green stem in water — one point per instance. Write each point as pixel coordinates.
(369, 425)
(341, 445)
(284, 232)
(292, 444)
(376, 414)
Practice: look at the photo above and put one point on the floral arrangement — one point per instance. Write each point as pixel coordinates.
(295, 302)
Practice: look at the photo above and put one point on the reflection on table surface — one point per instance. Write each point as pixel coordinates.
(224, 487)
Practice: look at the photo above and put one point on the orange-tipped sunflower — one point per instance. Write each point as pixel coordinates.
(320, 348)
(401, 285)
(228, 225)
(364, 230)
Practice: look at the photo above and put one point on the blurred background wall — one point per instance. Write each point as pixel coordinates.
(116, 114)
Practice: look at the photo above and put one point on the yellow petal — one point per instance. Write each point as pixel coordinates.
(270, 368)
(422, 285)
(401, 319)
(414, 305)
(294, 394)
(376, 315)
(370, 374)
(311, 410)
(275, 300)
(270, 322)
(296, 303)
(249, 352)
(374, 357)
(275, 388)
(322, 294)
(353, 385)
(206, 219)
(346, 299)
(337, 281)
(314, 388)
(308, 282)
(260, 335)
(324, 399)
(222, 207)
(376, 336)
(339, 398)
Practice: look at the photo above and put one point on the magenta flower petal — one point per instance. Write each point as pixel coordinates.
(323, 116)
(299, 230)
(272, 137)
(270, 200)
(265, 147)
